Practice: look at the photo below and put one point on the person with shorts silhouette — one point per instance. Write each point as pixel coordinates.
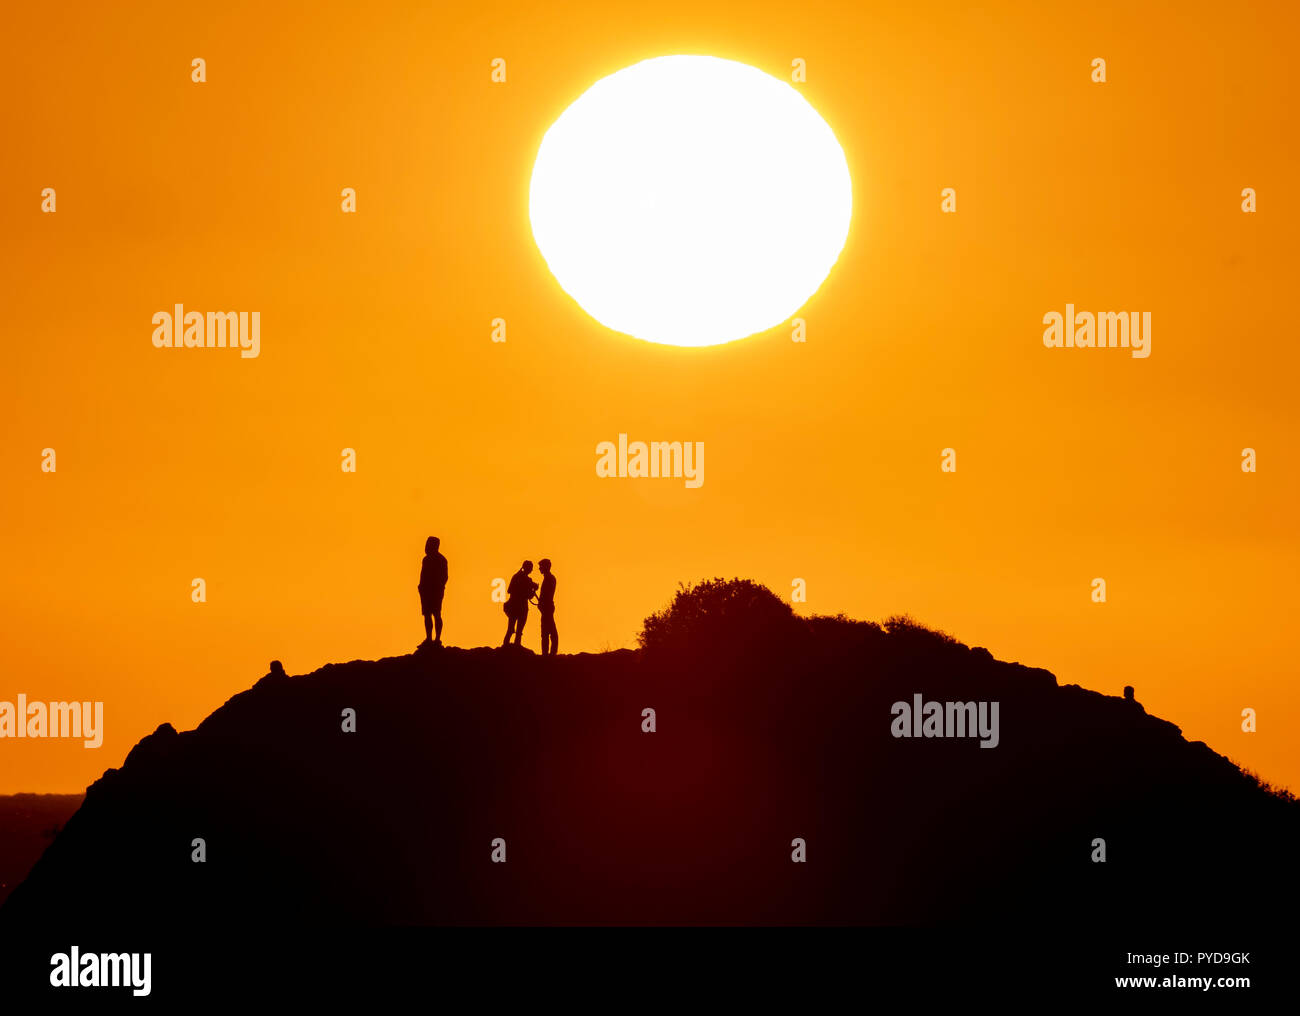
(433, 583)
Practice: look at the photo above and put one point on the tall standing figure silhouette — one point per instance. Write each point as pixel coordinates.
(433, 583)
(546, 607)
(519, 592)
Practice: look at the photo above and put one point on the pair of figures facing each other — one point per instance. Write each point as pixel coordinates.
(520, 593)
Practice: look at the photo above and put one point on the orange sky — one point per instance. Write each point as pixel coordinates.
(822, 458)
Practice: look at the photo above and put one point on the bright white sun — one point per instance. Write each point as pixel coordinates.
(690, 200)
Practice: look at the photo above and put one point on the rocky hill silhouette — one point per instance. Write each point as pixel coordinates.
(27, 824)
(769, 727)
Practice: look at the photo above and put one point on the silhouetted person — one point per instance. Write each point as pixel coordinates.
(519, 592)
(275, 675)
(433, 583)
(546, 607)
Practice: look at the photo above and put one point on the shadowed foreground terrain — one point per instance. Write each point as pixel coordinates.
(27, 824)
(764, 735)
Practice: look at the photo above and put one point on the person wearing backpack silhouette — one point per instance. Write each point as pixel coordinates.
(546, 607)
(518, 593)
(433, 583)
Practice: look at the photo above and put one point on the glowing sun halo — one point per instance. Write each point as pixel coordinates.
(690, 200)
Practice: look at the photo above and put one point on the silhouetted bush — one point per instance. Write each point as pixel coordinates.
(841, 622)
(906, 628)
(728, 615)
(1275, 790)
(907, 638)
(835, 635)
